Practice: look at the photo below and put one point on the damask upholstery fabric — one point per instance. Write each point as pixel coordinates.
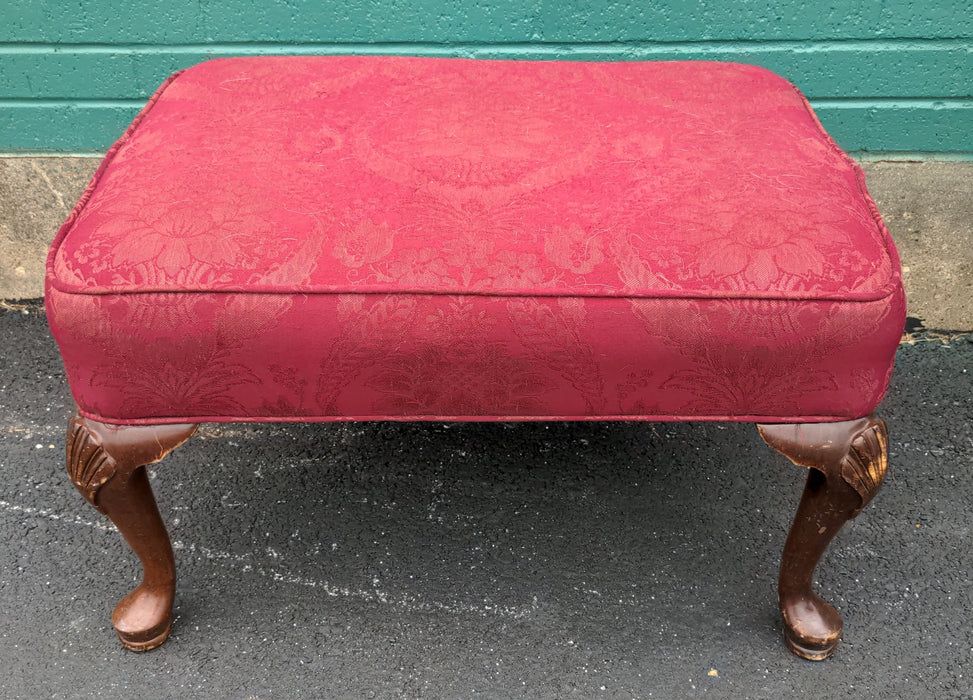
(329, 238)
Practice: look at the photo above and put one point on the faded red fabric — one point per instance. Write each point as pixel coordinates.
(331, 238)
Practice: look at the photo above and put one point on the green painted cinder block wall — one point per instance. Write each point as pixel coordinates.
(885, 76)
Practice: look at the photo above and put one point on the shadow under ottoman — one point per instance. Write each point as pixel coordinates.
(382, 238)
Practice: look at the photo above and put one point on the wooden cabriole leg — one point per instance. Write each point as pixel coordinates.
(107, 465)
(848, 462)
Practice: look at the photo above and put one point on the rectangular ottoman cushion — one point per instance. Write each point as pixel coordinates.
(329, 238)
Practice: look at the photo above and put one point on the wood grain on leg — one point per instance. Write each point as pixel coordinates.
(848, 462)
(107, 465)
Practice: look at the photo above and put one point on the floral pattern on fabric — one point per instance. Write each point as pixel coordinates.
(458, 176)
(363, 237)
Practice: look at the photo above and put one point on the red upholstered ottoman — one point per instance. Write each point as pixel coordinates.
(352, 238)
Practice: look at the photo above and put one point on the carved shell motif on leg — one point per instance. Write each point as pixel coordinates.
(865, 464)
(89, 465)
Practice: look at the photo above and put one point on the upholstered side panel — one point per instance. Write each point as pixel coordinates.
(346, 356)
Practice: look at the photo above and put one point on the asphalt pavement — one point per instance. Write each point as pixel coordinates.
(429, 560)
